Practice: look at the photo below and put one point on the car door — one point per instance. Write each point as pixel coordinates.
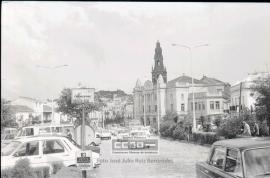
(54, 152)
(31, 151)
(215, 166)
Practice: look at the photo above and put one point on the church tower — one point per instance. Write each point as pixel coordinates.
(159, 68)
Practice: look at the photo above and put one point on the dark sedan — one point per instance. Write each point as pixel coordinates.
(234, 158)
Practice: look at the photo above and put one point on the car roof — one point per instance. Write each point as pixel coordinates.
(38, 137)
(244, 143)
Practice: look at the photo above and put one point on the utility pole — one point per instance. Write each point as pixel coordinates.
(158, 117)
(240, 99)
(144, 117)
(190, 48)
(83, 136)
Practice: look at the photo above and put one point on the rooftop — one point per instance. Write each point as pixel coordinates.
(245, 143)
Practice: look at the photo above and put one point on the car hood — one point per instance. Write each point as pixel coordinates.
(93, 149)
(7, 162)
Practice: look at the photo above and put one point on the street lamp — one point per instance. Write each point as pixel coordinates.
(190, 51)
(51, 68)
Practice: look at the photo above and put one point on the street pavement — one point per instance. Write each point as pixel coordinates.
(176, 160)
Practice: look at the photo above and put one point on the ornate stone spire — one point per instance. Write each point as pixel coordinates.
(159, 67)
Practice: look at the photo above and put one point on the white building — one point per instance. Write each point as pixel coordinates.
(153, 99)
(248, 97)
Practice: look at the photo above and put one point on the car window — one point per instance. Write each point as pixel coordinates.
(28, 149)
(44, 130)
(9, 136)
(29, 131)
(233, 162)
(53, 146)
(257, 162)
(218, 157)
(9, 148)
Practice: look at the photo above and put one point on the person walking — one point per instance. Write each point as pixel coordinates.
(246, 131)
(256, 129)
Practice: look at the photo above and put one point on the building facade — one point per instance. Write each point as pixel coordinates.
(153, 99)
(248, 97)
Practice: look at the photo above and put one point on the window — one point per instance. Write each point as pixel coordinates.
(182, 107)
(182, 96)
(203, 106)
(217, 105)
(212, 105)
(155, 108)
(142, 108)
(28, 149)
(196, 108)
(29, 131)
(191, 106)
(52, 146)
(218, 157)
(45, 130)
(171, 107)
(199, 105)
(149, 108)
(233, 163)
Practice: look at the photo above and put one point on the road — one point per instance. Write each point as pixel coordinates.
(176, 159)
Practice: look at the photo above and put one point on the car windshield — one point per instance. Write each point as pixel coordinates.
(257, 162)
(8, 149)
(73, 142)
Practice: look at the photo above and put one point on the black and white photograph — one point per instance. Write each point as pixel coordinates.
(93, 89)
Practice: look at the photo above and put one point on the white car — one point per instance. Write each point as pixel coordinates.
(105, 134)
(43, 152)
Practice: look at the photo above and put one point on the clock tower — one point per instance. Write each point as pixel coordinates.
(159, 68)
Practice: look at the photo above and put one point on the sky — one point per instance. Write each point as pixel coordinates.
(109, 45)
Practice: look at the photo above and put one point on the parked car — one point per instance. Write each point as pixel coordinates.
(43, 151)
(122, 134)
(104, 134)
(138, 134)
(234, 158)
(44, 129)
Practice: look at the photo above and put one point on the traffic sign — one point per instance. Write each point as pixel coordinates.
(84, 161)
(82, 95)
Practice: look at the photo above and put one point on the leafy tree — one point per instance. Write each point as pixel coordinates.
(170, 116)
(7, 115)
(262, 94)
(66, 106)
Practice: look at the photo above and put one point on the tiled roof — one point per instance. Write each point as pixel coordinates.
(21, 108)
(211, 81)
(184, 79)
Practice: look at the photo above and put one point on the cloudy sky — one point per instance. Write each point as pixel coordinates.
(110, 45)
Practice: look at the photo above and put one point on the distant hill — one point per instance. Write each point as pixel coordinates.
(110, 94)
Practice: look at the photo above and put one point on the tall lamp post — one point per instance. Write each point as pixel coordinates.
(190, 48)
(51, 68)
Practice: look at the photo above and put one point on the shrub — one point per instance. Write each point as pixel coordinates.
(179, 132)
(57, 167)
(167, 128)
(263, 129)
(204, 137)
(230, 128)
(217, 121)
(22, 169)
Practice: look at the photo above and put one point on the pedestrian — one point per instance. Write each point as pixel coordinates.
(69, 134)
(256, 129)
(246, 131)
